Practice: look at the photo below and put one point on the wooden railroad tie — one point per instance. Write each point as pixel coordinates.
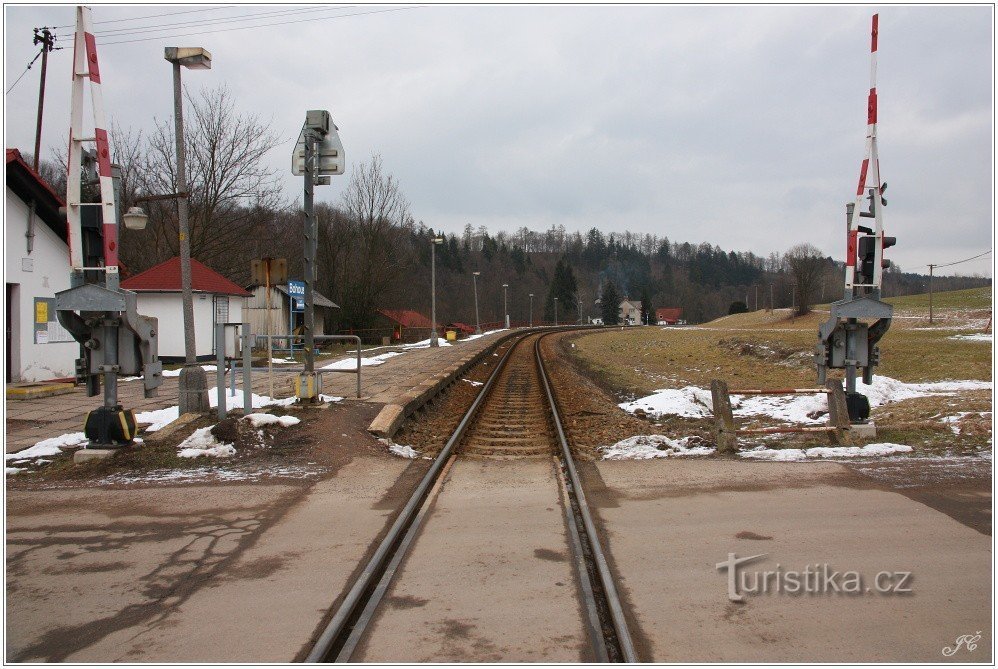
(726, 431)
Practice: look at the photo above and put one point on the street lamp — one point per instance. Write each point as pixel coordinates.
(192, 377)
(434, 340)
(474, 280)
(531, 310)
(556, 311)
(505, 308)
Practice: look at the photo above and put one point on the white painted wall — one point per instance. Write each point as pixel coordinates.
(168, 308)
(47, 274)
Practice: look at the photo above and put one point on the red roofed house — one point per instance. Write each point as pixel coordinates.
(406, 325)
(668, 315)
(216, 300)
(36, 267)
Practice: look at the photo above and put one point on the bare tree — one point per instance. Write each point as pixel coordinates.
(807, 266)
(233, 195)
(376, 206)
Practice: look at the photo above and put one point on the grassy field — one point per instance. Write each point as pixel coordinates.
(774, 350)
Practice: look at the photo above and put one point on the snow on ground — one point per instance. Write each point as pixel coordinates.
(330, 398)
(425, 344)
(645, 447)
(693, 402)
(980, 336)
(283, 361)
(209, 473)
(203, 442)
(351, 362)
(479, 336)
(176, 372)
(13, 470)
(688, 402)
(48, 447)
(474, 383)
(160, 418)
(400, 450)
(797, 454)
(261, 419)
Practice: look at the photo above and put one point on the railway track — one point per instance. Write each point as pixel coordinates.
(514, 416)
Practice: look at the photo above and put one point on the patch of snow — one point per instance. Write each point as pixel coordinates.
(688, 402)
(645, 447)
(160, 418)
(208, 473)
(176, 372)
(330, 398)
(351, 362)
(400, 450)
(693, 402)
(980, 336)
(474, 383)
(798, 454)
(484, 334)
(203, 442)
(261, 419)
(13, 470)
(425, 344)
(283, 361)
(48, 447)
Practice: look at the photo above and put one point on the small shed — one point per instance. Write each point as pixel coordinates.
(284, 319)
(668, 315)
(160, 295)
(403, 325)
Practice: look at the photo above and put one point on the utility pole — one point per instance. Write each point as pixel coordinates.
(505, 304)
(434, 340)
(771, 305)
(930, 293)
(478, 323)
(531, 321)
(44, 37)
(556, 311)
(757, 297)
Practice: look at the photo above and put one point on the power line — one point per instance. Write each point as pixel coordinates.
(37, 56)
(136, 30)
(263, 25)
(979, 255)
(152, 16)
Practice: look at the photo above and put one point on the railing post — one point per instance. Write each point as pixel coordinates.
(724, 420)
(220, 367)
(247, 370)
(358, 366)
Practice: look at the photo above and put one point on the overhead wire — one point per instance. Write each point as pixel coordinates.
(152, 16)
(958, 262)
(26, 69)
(136, 30)
(262, 25)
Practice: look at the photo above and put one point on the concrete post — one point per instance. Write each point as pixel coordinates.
(247, 370)
(724, 420)
(220, 367)
(838, 414)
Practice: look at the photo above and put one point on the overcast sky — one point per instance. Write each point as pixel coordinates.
(737, 126)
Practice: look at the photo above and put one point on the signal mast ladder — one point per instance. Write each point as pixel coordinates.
(726, 432)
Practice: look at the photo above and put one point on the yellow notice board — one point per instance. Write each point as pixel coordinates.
(41, 311)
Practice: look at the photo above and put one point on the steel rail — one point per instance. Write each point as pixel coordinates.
(616, 611)
(350, 608)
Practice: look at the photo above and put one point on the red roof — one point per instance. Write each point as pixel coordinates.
(14, 156)
(668, 314)
(407, 318)
(463, 327)
(165, 277)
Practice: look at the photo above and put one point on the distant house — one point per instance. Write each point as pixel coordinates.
(403, 325)
(36, 267)
(668, 315)
(629, 312)
(216, 300)
(462, 328)
(284, 317)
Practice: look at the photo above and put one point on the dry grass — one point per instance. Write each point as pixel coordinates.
(773, 350)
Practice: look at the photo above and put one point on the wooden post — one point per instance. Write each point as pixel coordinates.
(838, 414)
(724, 421)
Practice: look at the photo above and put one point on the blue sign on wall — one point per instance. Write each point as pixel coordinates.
(296, 292)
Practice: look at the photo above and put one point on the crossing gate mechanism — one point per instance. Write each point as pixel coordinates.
(849, 338)
(115, 340)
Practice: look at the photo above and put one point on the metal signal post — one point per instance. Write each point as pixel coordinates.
(847, 340)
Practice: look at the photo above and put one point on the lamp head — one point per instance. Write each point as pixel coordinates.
(135, 219)
(191, 57)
